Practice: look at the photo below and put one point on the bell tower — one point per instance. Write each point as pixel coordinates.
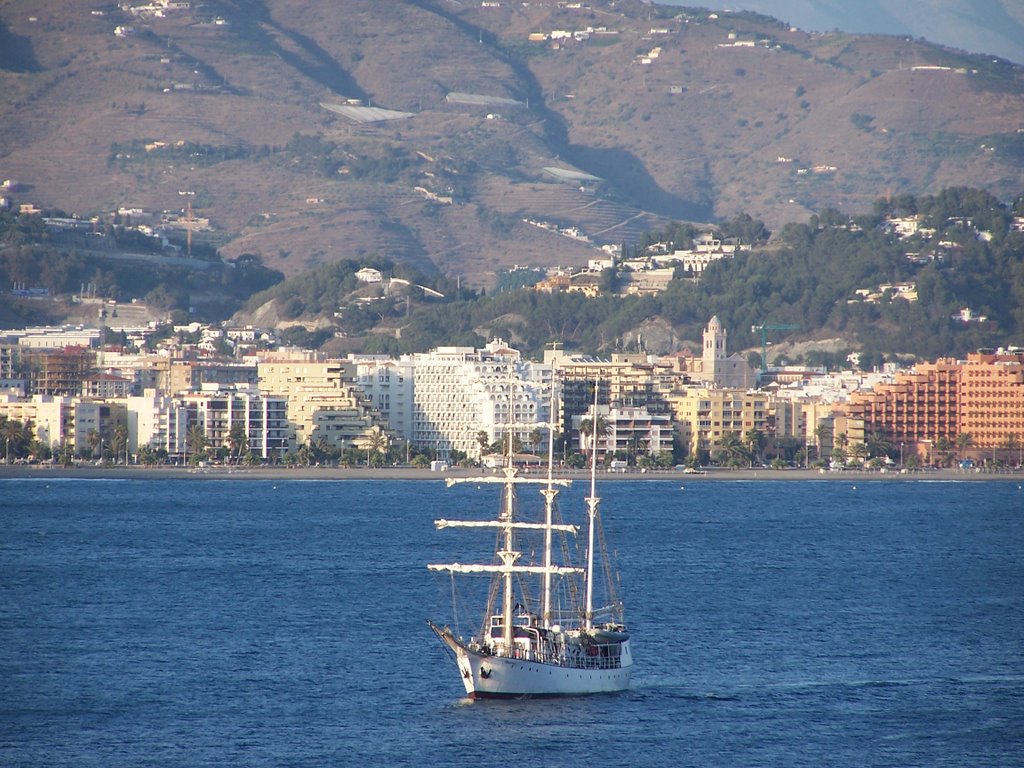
(714, 350)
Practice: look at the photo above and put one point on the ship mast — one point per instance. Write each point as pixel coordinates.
(549, 495)
(592, 504)
(507, 554)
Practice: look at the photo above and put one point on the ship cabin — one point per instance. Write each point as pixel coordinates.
(526, 635)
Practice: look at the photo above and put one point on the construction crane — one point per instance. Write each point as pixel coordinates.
(764, 328)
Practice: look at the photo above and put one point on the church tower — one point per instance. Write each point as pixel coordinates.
(714, 351)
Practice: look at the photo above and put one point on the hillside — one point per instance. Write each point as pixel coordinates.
(676, 114)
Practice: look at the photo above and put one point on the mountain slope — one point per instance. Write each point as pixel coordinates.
(222, 105)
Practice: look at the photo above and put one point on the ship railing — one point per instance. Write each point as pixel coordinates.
(605, 656)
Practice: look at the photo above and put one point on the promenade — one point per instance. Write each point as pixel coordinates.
(714, 474)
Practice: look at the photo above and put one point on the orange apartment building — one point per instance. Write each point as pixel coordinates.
(992, 399)
(982, 397)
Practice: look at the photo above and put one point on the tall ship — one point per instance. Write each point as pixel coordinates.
(545, 630)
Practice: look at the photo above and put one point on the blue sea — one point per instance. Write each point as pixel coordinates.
(281, 623)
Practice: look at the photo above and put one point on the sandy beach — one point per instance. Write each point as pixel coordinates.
(43, 472)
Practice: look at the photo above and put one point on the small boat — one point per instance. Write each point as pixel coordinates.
(542, 634)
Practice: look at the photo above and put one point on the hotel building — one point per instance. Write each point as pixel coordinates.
(982, 397)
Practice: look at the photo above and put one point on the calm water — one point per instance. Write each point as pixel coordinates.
(163, 623)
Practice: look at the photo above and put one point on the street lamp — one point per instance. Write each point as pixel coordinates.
(901, 455)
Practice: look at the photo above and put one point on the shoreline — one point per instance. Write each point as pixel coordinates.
(715, 474)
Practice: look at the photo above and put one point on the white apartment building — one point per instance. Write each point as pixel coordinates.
(459, 392)
(630, 430)
(388, 386)
(152, 419)
(263, 416)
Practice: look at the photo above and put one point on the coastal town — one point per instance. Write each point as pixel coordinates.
(211, 395)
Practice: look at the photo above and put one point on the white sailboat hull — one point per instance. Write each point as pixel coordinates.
(487, 676)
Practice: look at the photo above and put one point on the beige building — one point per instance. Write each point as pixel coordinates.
(50, 416)
(95, 417)
(323, 401)
(704, 415)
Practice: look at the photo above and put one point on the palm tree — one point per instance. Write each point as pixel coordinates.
(1012, 443)
(195, 440)
(733, 449)
(481, 438)
(839, 455)
(878, 445)
(963, 440)
(238, 440)
(146, 455)
(819, 436)
(860, 451)
(587, 429)
(943, 447)
(121, 442)
(66, 454)
(376, 442)
(30, 442)
(535, 437)
(12, 432)
(755, 441)
(319, 449)
(94, 440)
